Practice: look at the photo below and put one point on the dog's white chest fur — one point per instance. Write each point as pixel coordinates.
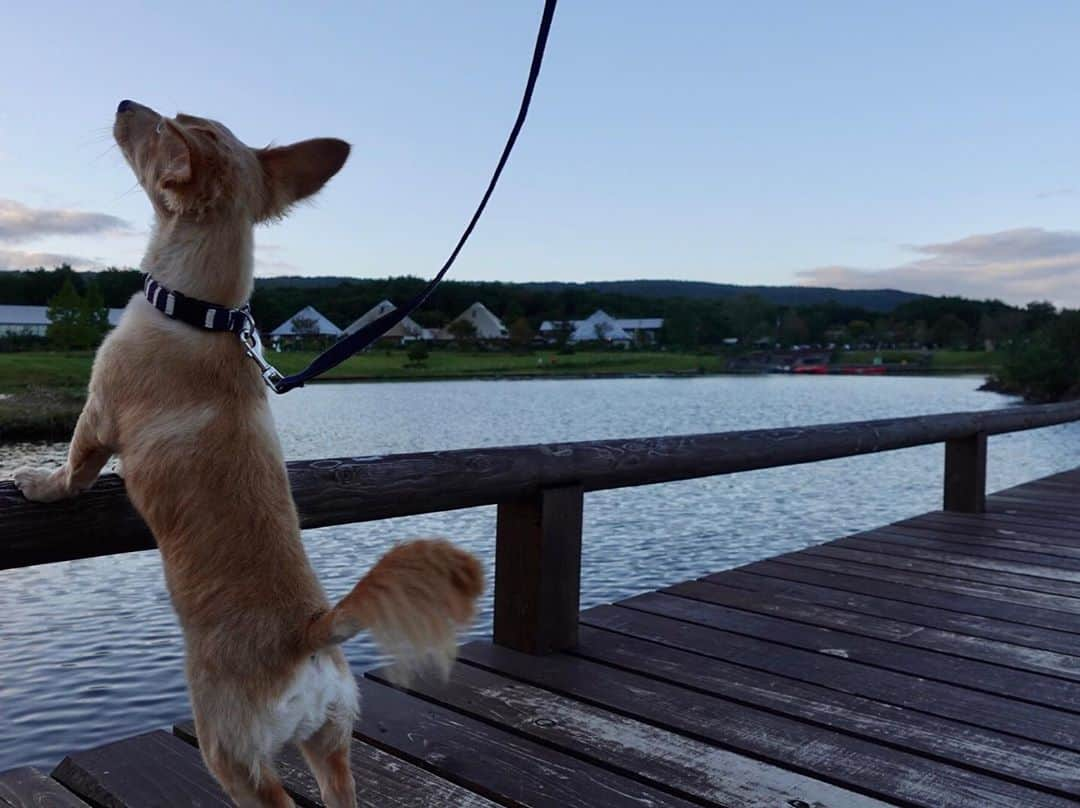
(319, 690)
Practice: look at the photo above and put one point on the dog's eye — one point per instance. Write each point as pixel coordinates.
(160, 127)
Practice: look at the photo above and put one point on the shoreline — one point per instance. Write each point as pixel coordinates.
(670, 374)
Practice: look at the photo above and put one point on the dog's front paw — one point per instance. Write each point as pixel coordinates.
(37, 485)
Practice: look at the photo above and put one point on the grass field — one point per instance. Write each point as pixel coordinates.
(19, 371)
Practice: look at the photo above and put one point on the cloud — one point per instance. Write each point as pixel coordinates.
(17, 259)
(20, 222)
(273, 264)
(1056, 192)
(1017, 265)
(277, 266)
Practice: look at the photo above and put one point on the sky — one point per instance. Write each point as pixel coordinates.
(927, 146)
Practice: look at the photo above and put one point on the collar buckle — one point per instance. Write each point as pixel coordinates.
(249, 337)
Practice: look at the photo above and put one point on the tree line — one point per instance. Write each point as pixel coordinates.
(689, 324)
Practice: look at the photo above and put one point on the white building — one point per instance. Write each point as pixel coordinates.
(487, 325)
(642, 329)
(307, 322)
(601, 326)
(405, 331)
(33, 321)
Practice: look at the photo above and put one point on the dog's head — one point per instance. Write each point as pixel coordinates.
(196, 168)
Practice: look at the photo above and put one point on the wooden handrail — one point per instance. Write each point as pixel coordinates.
(357, 489)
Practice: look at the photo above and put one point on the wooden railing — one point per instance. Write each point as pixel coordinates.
(539, 491)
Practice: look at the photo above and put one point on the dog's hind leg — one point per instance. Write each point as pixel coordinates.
(327, 755)
(248, 788)
(87, 454)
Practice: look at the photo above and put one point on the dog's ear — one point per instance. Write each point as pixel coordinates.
(298, 171)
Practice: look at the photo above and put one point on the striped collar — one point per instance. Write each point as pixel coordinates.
(195, 312)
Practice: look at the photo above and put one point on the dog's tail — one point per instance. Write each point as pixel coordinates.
(412, 601)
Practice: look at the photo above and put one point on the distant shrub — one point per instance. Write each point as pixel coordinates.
(417, 353)
(1045, 366)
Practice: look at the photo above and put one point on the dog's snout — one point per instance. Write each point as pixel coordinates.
(125, 105)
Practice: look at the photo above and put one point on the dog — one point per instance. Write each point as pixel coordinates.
(187, 413)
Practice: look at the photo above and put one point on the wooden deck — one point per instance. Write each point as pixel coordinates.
(933, 662)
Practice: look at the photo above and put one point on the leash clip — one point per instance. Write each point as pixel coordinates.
(249, 336)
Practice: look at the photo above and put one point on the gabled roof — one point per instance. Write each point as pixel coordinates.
(627, 324)
(14, 314)
(599, 325)
(406, 328)
(641, 323)
(487, 325)
(323, 327)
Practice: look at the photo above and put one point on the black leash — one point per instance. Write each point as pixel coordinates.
(358, 340)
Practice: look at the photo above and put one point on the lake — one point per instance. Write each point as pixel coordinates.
(92, 652)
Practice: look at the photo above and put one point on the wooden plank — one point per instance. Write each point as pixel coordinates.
(1045, 491)
(538, 570)
(815, 750)
(965, 473)
(991, 545)
(1063, 570)
(952, 741)
(916, 635)
(686, 766)
(1063, 507)
(1036, 609)
(1049, 525)
(1041, 724)
(382, 780)
(1040, 509)
(942, 593)
(1049, 483)
(782, 581)
(990, 530)
(507, 768)
(1046, 528)
(152, 769)
(942, 667)
(28, 788)
(1035, 589)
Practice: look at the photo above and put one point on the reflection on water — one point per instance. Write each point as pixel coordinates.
(91, 650)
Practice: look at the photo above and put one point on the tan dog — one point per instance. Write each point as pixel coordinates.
(187, 413)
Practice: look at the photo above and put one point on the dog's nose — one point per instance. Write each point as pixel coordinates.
(125, 105)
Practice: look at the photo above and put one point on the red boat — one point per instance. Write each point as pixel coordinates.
(864, 370)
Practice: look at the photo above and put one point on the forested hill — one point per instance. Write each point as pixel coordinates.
(874, 300)
(696, 315)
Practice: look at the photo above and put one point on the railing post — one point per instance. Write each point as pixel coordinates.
(538, 571)
(965, 474)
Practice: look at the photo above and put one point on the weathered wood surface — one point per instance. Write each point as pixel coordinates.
(678, 763)
(344, 490)
(154, 769)
(381, 779)
(934, 662)
(29, 788)
(965, 474)
(538, 570)
(513, 769)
